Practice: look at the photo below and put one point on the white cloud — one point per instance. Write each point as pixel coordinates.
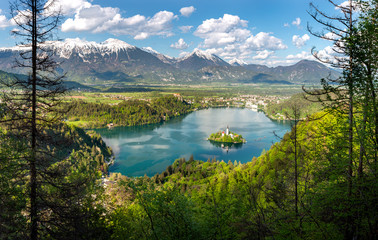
(67, 7)
(229, 37)
(286, 25)
(331, 36)
(94, 18)
(4, 22)
(297, 22)
(264, 40)
(343, 5)
(21, 18)
(346, 5)
(299, 41)
(187, 11)
(291, 59)
(227, 24)
(300, 56)
(97, 19)
(330, 56)
(327, 54)
(183, 54)
(263, 54)
(275, 62)
(141, 36)
(281, 62)
(180, 44)
(185, 29)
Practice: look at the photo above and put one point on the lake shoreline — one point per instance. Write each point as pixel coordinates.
(149, 149)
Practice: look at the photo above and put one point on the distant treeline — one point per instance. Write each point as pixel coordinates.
(126, 113)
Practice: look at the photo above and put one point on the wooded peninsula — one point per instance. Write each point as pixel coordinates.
(319, 181)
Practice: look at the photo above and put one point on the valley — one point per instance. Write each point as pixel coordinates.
(114, 62)
(159, 103)
(188, 120)
(150, 149)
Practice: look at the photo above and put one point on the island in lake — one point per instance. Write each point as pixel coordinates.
(226, 137)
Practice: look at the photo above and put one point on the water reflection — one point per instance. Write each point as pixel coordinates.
(226, 145)
(151, 148)
(117, 132)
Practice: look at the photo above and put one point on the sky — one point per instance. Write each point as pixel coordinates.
(269, 32)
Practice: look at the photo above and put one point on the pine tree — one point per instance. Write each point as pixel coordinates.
(31, 102)
(60, 200)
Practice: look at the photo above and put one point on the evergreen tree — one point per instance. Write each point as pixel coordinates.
(351, 97)
(59, 189)
(31, 102)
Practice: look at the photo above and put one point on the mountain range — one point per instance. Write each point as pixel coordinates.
(117, 61)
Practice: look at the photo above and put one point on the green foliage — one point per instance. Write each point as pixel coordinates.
(78, 205)
(71, 201)
(12, 197)
(283, 110)
(231, 138)
(126, 113)
(256, 200)
(67, 139)
(208, 200)
(153, 213)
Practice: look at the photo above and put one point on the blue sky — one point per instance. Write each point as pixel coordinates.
(271, 32)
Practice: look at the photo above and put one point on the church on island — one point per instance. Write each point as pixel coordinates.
(226, 137)
(227, 133)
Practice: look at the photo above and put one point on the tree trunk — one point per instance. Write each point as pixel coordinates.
(33, 170)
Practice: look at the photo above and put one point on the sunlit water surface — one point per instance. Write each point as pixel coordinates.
(151, 148)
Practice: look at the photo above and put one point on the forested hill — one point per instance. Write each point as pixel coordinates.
(256, 200)
(6, 77)
(67, 140)
(126, 113)
(69, 187)
(304, 104)
(64, 141)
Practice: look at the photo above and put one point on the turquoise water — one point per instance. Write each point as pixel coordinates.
(150, 149)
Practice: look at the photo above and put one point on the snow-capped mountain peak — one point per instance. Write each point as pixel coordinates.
(18, 48)
(65, 48)
(116, 45)
(200, 54)
(162, 57)
(150, 50)
(203, 54)
(199, 59)
(237, 62)
(116, 60)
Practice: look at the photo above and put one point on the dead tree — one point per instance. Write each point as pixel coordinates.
(32, 101)
(341, 93)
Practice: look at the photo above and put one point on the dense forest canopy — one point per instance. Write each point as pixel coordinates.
(318, 182)
(218, 200)
(126, 113)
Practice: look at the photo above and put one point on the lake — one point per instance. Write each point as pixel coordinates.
(149, 149)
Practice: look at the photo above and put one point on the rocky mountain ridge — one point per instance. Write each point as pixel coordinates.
(115, 60)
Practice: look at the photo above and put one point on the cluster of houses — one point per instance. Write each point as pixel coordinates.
(253, 102)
